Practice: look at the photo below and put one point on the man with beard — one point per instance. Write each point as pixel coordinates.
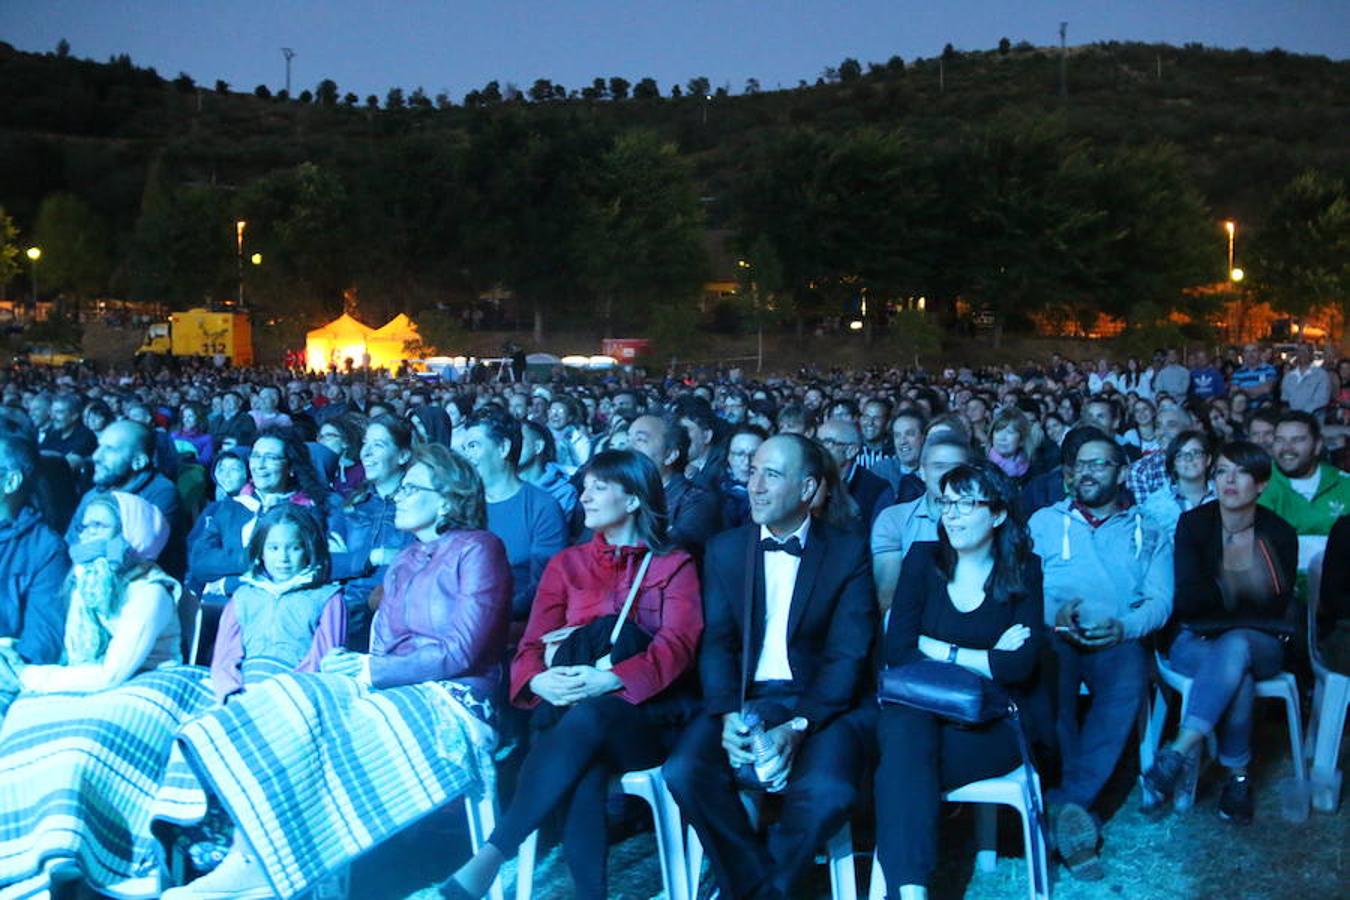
(124, 461)
(1304, 491)
(1108, 584)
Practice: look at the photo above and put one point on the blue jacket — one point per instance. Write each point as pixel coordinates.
(1125, 563)
(364, 527)
(33, 568)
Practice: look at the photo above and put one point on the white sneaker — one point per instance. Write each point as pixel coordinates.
(238, 877)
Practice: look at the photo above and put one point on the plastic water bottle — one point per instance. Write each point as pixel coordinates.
(761, 747)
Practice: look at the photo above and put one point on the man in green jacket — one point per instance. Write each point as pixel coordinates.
(1307, 493)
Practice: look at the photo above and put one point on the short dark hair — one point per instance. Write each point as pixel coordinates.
(677, 438)
(698, 411)
(550, 452)
(1190, 434)
(1265, 414)
(1087, 434)
(1300, 417)
(911, 412)
(499, 425)
(1248, 457)
(311, 536)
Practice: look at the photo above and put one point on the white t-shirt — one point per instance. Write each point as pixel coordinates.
(1307, 487)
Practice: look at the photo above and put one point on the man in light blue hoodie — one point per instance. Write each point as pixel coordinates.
(1108, 583)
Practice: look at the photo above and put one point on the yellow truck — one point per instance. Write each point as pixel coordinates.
(202, 332)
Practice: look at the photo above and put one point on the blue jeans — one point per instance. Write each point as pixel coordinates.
(1117, 678)
(1225, 669)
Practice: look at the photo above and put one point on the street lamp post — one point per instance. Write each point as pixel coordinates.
(34, 254)
(239, 257)
(1231, 227)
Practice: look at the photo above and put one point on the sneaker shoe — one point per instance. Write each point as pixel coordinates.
(1076, 836)
(238, 877)
(1235, 801)
(1165, 774)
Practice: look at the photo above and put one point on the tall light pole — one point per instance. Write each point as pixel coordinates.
(34, 254)
(239, 256)
(1231, 227)
(289, 54)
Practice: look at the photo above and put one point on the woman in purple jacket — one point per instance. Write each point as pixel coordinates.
(378, 740)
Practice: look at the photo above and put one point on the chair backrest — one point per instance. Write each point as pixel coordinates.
(190, 623)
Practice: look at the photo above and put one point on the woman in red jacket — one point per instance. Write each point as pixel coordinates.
(594, 722)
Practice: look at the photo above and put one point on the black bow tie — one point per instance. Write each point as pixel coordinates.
(792, 546)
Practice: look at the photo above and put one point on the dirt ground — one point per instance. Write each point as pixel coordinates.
(1183, 855)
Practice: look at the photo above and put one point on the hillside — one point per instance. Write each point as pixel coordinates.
(119, 138)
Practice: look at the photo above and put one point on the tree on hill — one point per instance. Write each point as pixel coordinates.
(491, 93)
(394, 99)
(646, 89)
(350, 99)
(306, 96)
(327, 92)
(699, 87)
(222, 86)
(418, 99)
(1301, 253)
(184, 83)
(9, 247)
(262, 92)
(62, 48)
(640, 238)
(618, 87)
(77, 251)
(541, 91)
(1004, 46)
(850, 70)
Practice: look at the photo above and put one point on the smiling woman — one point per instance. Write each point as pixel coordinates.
(972, 599)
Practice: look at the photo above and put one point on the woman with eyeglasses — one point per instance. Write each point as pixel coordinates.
(342, 434)
(369, 539)
(1233, 615)
(378, 740)
(1188, 481)
(280, 471)
(972, 598)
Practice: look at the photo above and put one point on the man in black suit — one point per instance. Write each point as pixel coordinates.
(871, 492)
(804, 589)
(694, 513)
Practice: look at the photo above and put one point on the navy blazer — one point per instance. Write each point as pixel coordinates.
(832, 621)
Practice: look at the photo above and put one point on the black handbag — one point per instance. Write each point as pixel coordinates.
(945, 690)
(601, 642)
(966, 698)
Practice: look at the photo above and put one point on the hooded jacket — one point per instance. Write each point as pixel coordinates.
(1124, 564)
(1315, 516)
(33, 567)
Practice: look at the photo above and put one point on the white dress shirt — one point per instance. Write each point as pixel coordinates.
(780, 579)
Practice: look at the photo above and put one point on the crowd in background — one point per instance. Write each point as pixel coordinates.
(389, 580)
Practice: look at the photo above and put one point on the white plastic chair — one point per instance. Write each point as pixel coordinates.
(1009, 790)
(1282, 686)
(838, 855)
(650, 786)
(1326, 719)
(482, 815)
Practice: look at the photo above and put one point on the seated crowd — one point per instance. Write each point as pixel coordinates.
(274, 619)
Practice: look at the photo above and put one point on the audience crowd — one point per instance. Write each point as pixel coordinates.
(270, 618)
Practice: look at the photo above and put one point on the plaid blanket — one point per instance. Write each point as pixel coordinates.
(315, 769)
(81, 777)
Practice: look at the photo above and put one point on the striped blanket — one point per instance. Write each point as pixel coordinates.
(315, 769)
(82, 776)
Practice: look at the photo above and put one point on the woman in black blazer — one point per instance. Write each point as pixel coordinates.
(1235, 565)
(972, 598)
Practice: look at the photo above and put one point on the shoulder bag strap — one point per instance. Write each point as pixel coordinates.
(632, 595)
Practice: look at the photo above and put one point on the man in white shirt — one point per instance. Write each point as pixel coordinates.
(790, 619)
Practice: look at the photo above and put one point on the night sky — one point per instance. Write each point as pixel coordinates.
(456, 46)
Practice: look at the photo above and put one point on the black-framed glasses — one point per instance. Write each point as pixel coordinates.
(1191, 455)
(267, 457)
(407, 488)
(961, 506)
(1100, 466)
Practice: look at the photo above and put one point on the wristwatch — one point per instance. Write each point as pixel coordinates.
(799, 724)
